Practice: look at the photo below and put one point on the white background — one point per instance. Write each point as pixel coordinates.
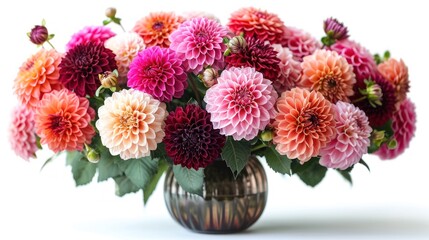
(389, 202)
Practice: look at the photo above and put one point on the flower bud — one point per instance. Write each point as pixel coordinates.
(93, 156)
(236, 44)
(335, 29)
(209, 77)
(110, 12)
(39, 35)
(109, 79)
(267, 135)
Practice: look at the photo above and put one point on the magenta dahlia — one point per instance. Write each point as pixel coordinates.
(81, 65)
(258, 55)
(199, 43)
(190, 139)
(352, 137)
(299, 42)
(404, 127)
(94, 34)
(241, 103)
(158, 72)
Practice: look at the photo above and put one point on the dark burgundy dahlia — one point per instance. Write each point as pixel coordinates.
(190, 139)
(81, 65)
(258, 55)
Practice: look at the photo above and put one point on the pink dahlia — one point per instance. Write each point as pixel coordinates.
(290, 70)
(94, 34)
(304, 124)
(241, 103)
(404, 127)
(190, 139)
(256, 23)
(131, 123)
(80, 67)
(328, 73)
(63, 121)
(125, 46)
(359, 57)
(396, 72)
(258, 55)
(300, 43)
(352, 140)
(199, 43)
(22, 133)
(158, 71)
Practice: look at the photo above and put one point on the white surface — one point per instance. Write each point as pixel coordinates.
(390, 202)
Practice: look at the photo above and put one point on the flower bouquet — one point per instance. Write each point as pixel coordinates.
(186, 93)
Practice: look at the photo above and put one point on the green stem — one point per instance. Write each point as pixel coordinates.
(257, 147)
(123, 29)
(359, 99)
(50, 44)
(194, 89)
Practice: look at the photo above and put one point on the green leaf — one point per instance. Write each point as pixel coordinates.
(161, 154)
(106, 22)
(190, 180)
(108, 166)
(150, 187)
(51, 36)
(312, 174)
(139, 170)
(124, 186)
(49, 160)
(365, 164)
(43, 22)
(346, 175)
(116, 20)
(82, 170)
(297, 167)
(279, 163)
(236, 154)
(71, 157)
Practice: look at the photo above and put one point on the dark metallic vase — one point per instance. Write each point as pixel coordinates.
(228, 204)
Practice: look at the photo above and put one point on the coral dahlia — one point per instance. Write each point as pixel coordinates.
(22, 133)
(299, 42)
(241, 103)
(94, 34)
(304, 124)
(131, 123)
(199, 43)
(63, 121)
(396, 72)
(190, 139)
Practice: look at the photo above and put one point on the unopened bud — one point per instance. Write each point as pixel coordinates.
(378, 137)
(237, 44)
(93, 156)
(110, 12)
(109, 79)
(267, 135)
(209, 77)
(38, 35)
(373, 93)
(392, 144)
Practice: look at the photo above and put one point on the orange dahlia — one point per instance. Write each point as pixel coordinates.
(304, 124)
(328, 73)
(63, 121)
(396, 72)
(37, 76)
(157, 27)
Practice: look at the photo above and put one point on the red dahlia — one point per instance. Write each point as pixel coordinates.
(81, 65)
(258, 55)
(190, 139)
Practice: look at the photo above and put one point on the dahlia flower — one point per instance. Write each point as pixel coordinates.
(63, 121)
(396, 72)
(125, 46)
(352, 140)
(94, 34)
(258, 55)
(290, 70)
(80, 67)
(158, 71)
(190, 139)
(359, 57)
(300, 43)
(241, 103)
(37, 76)
(199, 43)
(131, 123)
(328, 73)
(22, 134)
(157, 27)
(404, 127)
(304, 124)
(256, 23)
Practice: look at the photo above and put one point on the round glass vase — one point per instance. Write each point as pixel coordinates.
(228, 204)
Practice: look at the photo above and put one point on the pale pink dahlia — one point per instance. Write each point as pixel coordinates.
(22, 133)
(290, 70)
(199, 43)
(131, 123)
(352, 140)
(299, 42)
(125, 46)
(404, 127)
(304, 124)
(359, 57)
(328, 73)
(158, 71)
(241, 103)
(95, 34)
